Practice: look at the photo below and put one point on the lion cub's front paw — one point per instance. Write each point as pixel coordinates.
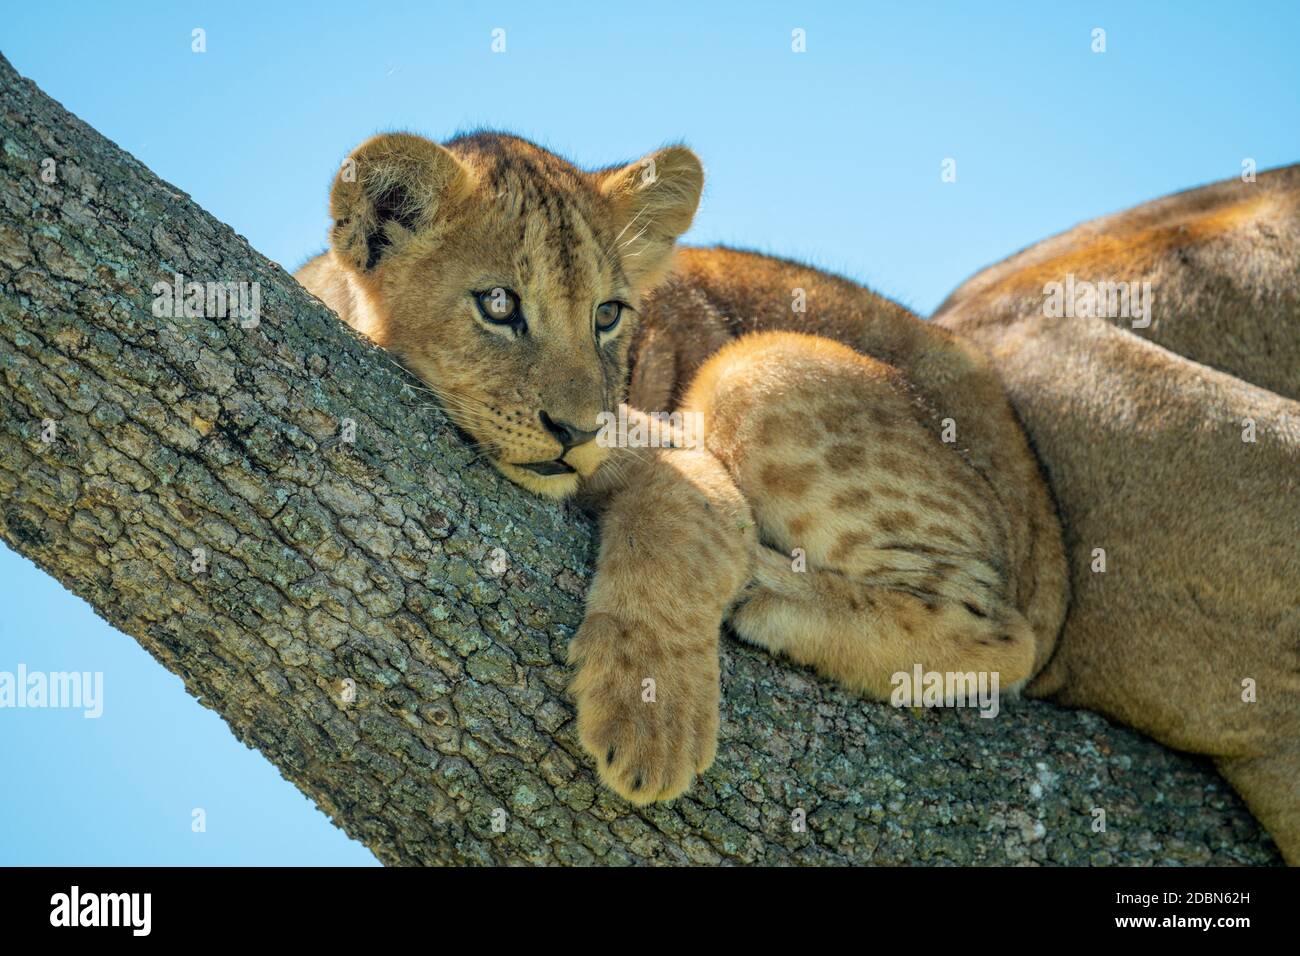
(647, 705)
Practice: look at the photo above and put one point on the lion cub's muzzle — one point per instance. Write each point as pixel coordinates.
(570, 437)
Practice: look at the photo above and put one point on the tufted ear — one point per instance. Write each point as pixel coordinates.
(653, 200)
(390, 188)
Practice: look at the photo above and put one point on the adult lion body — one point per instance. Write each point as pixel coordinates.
(1175, 448)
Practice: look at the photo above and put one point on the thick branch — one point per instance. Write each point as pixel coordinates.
(372, 564)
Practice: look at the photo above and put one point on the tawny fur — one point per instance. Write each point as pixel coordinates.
(1141, 431)
(880, 448)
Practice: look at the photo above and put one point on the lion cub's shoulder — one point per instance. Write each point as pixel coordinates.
(330, 282)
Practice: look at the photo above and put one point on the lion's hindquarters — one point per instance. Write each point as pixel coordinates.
(885, 548)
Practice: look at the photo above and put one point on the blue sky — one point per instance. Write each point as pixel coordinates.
(832, 156)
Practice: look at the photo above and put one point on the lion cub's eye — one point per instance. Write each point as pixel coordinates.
(499, 306)
(607, 315)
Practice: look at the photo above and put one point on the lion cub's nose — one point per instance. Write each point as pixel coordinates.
(567, 435)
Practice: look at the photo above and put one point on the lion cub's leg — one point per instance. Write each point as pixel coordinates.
(862, 630)
(676, 548)
(885, 548)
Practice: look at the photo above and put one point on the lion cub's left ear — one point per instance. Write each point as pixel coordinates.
(653, 200)
(392, 187)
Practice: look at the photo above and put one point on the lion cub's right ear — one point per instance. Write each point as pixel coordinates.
(388, 190)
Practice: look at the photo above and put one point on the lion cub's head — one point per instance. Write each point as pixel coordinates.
(509, 280)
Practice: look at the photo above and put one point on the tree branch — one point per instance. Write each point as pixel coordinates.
(345, 608)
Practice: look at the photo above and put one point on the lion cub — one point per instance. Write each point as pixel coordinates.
(863, 500)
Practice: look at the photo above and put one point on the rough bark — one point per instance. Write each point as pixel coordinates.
(373, 564)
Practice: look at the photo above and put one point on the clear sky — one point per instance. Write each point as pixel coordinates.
(832, 155)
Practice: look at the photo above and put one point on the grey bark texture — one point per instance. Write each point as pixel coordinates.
(386, 619)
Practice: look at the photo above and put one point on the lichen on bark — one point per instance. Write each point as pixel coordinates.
(385, 618)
